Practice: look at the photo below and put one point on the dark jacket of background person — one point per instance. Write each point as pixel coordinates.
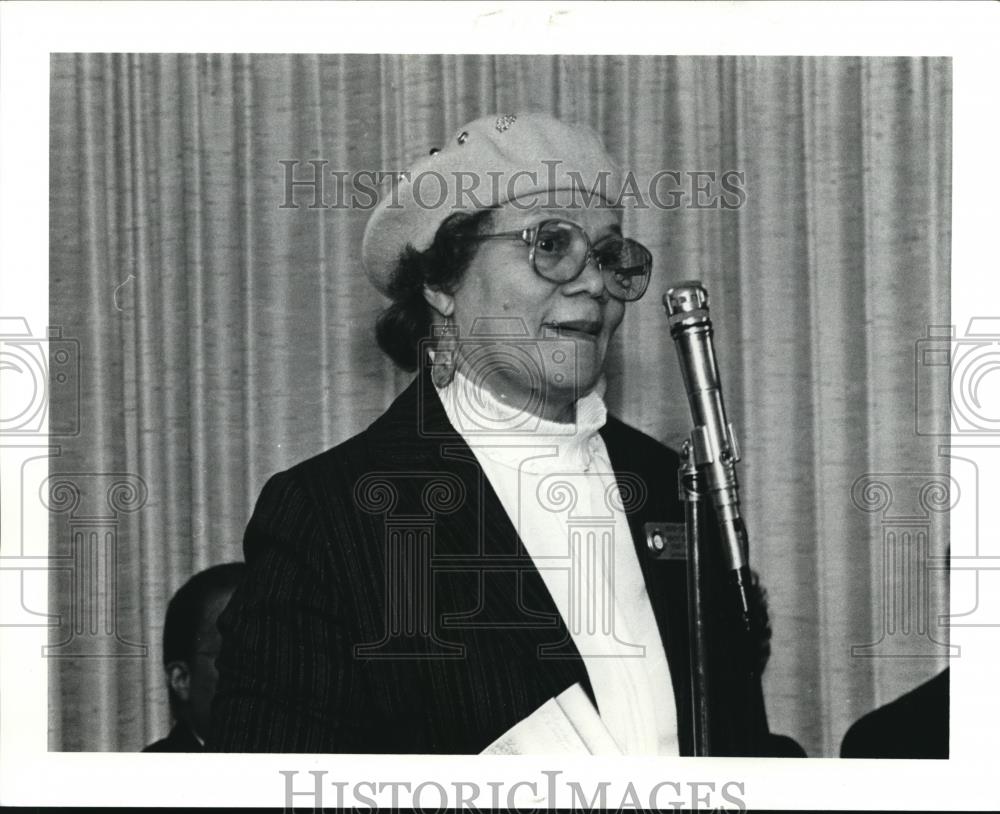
(292, 677)
(180, 739)
(914, 726)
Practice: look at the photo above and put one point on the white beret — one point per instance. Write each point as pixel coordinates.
(530, 157)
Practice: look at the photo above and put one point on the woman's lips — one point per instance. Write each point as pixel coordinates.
(582, 328)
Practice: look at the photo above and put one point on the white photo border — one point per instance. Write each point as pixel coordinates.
(30, 32)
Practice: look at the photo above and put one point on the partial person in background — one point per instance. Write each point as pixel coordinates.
(914, 726)
(190, 646)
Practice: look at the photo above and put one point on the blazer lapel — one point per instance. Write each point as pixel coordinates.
(475, 545)
(654, 488)
(650, 495)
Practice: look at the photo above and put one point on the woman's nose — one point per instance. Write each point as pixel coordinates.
(590, 280)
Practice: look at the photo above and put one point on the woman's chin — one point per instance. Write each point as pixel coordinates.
(570, 388)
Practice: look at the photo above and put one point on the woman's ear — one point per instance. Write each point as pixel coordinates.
(179, 676)
(441, 302)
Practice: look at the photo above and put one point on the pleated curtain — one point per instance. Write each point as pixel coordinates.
(225, 335)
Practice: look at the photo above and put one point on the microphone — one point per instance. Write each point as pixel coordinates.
(713, 452)
(713, 443)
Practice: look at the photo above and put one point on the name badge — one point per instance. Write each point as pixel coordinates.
(666, 541)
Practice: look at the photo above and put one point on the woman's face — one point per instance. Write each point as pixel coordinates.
(534, 343)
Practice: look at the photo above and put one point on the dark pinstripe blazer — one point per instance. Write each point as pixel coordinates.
(390, 606)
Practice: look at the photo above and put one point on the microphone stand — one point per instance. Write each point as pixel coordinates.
(692, 493)
(709, 449)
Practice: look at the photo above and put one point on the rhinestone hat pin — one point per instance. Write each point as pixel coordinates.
(504, 122)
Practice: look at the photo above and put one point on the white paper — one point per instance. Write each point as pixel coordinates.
(566, 724)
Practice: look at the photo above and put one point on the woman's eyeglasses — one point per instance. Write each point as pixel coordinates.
(560, 250)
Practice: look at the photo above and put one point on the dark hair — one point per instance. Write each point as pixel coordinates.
(186, 608)
(407, 320)
(185, 613)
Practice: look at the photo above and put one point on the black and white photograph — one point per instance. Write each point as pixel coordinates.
(597, 407)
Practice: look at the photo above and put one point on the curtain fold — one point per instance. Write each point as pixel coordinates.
(225, 335)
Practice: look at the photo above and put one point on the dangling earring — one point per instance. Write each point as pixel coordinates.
(443, 362)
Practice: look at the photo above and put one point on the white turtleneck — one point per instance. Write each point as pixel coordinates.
(556, 484)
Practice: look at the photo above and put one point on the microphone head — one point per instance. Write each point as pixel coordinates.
(686, 303)
(689, 295)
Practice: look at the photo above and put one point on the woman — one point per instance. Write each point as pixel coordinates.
(429, 584)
